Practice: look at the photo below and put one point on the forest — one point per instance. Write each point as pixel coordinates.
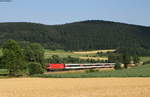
(83, 35)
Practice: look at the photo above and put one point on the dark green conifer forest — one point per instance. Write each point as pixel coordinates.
(84, 35)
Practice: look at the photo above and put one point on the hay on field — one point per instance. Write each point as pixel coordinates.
(94, 58)
(94, 52)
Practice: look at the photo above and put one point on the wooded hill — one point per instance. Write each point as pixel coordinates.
(84, 35)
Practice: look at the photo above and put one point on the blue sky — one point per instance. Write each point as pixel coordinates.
(65, 11)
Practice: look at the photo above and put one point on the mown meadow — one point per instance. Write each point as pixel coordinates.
(77, 54)
(139, 71)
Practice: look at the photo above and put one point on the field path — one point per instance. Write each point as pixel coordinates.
(77, 87)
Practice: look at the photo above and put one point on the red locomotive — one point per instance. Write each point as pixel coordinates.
(51, 67)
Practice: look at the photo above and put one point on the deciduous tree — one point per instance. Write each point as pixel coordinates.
(13, 58)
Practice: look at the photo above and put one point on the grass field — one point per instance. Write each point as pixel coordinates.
(61, 53)
(3, 71)
(94, 87)
(140, 71)
(144, 59)
(79, 54)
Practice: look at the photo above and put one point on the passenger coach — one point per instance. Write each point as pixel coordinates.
(51, 67)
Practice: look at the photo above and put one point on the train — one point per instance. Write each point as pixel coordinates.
(53, 67)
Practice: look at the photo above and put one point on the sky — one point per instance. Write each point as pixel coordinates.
(65, 11)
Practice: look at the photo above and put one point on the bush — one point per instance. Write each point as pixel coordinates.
(147, 62)
(55, 59)
(35, 68)
(117, 66)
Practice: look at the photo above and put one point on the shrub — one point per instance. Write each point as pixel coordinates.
(117, 66)
(35, 68)
(147, 62)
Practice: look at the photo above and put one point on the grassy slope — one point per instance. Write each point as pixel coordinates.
(61, 53)
(83, 54)
(140, 71)
(3, 71)
(145, 59)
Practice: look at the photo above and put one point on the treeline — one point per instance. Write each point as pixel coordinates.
(84, 35)
(22, 59)
(125, 56)
(134, 51)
